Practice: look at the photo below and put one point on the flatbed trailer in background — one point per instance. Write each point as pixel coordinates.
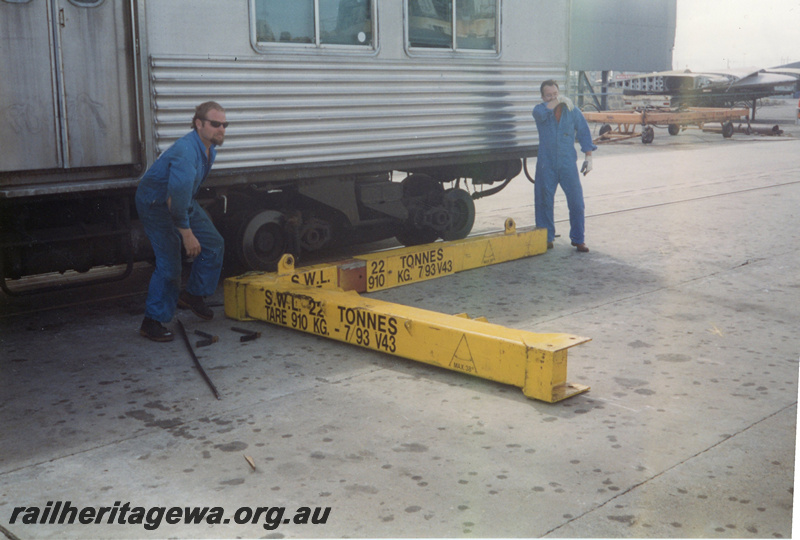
(676, 120)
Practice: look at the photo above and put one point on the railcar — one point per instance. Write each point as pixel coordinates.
(350, 120)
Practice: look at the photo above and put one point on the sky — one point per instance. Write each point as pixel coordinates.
(736, 34)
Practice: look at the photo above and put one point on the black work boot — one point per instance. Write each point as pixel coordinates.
(196, 304)
(152, 329)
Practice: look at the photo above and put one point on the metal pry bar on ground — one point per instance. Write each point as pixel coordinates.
(202, 371)
(249, 335)
(209, 339)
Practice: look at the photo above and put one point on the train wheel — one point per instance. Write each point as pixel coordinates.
(411, 236)
(262, 240)
(421, 185)
(461, 208)
(727, 129)
(423, 196)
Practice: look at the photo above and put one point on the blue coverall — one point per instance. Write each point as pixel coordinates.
(177, 175)
(556, 164)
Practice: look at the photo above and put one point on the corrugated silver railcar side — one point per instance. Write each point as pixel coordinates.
(294, 106)
(322, 108)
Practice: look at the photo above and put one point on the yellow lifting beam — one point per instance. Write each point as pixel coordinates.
(313, 300)
(402, 266)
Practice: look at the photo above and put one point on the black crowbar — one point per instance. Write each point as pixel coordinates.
(249, 335)
(196, 361)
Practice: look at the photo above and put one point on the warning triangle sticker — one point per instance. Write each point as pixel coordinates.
(462, 358)
(488, 254)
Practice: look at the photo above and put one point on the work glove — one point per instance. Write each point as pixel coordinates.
(587, 165)
(566, 101)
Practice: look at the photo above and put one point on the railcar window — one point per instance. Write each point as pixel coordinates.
(345, 22)
(285, 22)
(430, 24)
(476, 24)
(314, 22)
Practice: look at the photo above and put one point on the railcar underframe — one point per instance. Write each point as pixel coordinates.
(260, 220)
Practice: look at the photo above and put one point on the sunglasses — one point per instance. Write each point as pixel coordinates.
(216, 124)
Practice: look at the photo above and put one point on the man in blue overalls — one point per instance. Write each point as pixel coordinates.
(165, 201)
(559, 123)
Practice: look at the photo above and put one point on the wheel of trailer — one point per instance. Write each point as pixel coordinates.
(461, 207)
(674, 129)
(605, 128)
(648, 134)
(727, 129)
(262, 240)
(421, 192)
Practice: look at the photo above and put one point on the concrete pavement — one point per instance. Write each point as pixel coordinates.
(690, 294)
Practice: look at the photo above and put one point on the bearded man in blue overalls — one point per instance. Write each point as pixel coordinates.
(171, 215)
(559, 123)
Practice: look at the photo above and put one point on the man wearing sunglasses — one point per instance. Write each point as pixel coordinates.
(165, 201)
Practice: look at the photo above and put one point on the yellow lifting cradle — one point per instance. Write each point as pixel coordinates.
(402, 266)
(324, 300)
